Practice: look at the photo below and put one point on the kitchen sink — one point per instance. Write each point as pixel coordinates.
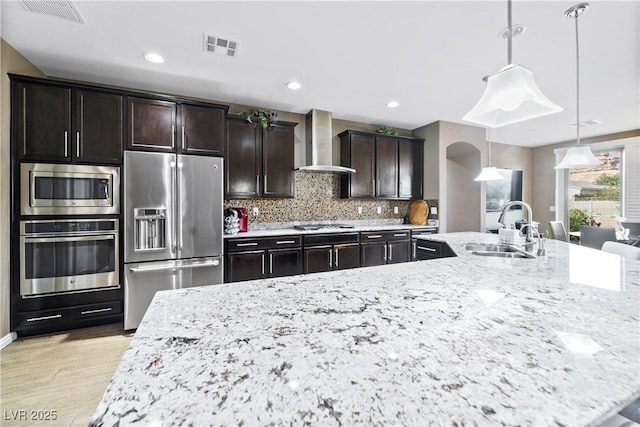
(500, 251)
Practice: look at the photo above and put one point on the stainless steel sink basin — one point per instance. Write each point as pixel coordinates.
(500, 251)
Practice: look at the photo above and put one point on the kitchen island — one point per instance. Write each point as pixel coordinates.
(468, 340)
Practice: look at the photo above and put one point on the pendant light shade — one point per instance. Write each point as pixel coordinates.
(489, 173)
(580, 155)
(511, 95)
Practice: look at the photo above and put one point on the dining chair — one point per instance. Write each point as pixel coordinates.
(558, 231)
(594, 237)
(627, 251)
(634, 227)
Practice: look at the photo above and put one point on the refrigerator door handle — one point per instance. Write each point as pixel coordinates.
(174, 245)
(178, 201)
(174, 267)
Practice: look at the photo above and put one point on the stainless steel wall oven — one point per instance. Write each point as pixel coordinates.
(59, 189)
(68, 256)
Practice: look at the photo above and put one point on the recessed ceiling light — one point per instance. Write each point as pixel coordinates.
(294, 85)
(154, 57)
(392, 104)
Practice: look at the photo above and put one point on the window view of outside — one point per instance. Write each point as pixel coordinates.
(594, 193)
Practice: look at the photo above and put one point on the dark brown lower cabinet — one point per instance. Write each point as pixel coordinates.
(386, 247)
(251, 259)
(284, 262)
(331, 257)
(346, 256)
(247, 265)
(399, 251)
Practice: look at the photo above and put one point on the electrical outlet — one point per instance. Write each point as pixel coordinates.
(256, 211)
(379, 210)
(552, 208)
(434, 210)
(359, 210)
(395, 210)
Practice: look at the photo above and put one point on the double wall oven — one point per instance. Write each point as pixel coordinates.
(69, 238)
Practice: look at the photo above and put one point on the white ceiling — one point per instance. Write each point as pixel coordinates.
(352, 57)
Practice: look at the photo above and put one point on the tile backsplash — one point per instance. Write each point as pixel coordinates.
(317, 198)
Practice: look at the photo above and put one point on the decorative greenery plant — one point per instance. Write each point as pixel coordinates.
(386, 130)
(265, 117)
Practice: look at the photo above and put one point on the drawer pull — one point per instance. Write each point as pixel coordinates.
(427, 249)
(99, 310)
(246, 244)
(374, 236)
(285, 242)
(37, 319)
(399, 234)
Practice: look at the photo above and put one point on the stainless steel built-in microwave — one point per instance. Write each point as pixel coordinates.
(52, 189)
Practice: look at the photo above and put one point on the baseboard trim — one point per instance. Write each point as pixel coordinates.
(7, 339)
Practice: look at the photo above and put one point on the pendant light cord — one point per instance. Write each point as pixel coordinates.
(510, 32)
(577, 84)
(489, 145)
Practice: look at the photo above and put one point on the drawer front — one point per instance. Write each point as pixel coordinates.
(236, 245)
(329, 239)
(397, 235)
(65, 315)
(427, 249)
(373, 236)
(423, 231)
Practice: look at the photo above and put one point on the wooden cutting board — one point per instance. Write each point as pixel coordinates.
(418, 212)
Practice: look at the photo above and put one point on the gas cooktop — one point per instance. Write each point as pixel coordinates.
(306, 227)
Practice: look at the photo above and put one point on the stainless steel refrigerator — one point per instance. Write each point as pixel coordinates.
(173, 226)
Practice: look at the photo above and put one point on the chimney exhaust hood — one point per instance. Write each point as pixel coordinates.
(319, 144)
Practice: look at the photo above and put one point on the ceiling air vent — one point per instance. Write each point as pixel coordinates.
(220, 45)
(57, 8)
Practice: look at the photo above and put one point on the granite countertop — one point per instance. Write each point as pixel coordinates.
(455, 341)
(292, 231)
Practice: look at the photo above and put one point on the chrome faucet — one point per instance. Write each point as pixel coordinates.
(529, 240)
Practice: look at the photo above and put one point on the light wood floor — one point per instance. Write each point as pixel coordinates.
(66, 372)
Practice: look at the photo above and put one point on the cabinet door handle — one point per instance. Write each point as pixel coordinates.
(37, 319)
(399, 234)
(257, 183)
(390, 253)
(336, 249)
(66, 143)
(385, 253)
(264, 190)
(270, 263)
(414, 250)
(285, 242)
(24, 120)
(77, 144)
(263, 263)
(330, 259)
(173, 136)
(246, 244)
(426, 249)
(374, 236)
(183, 137)
(100, 310)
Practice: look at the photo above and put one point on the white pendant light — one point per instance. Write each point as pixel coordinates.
(580, 155)
(511, 94)
(489, 173)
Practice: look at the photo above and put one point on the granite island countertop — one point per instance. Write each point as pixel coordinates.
(456, 341)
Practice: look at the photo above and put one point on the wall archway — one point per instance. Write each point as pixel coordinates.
(464, 195)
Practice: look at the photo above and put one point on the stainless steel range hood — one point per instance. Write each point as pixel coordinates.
(319, 144)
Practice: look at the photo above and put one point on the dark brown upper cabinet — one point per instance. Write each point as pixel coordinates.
(202, 130)
(53, 122)
(410, 168)
(358, 151)
(162, 125)
(387, 167)
(152, 124)
(259, 162)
